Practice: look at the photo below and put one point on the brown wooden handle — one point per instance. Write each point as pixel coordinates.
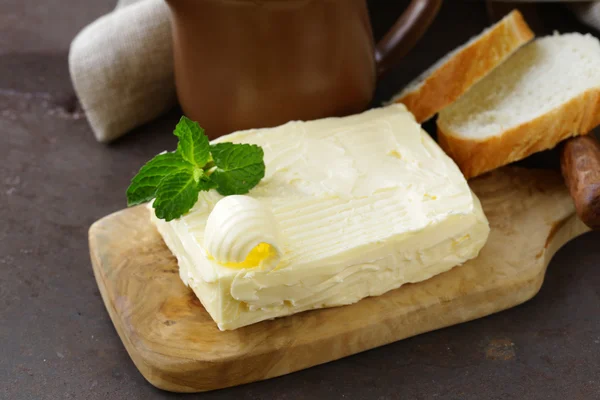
(580, 165)
(405, 33)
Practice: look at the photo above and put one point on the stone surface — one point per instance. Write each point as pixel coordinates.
(56, 339)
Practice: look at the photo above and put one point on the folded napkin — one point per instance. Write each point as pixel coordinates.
(122, 65)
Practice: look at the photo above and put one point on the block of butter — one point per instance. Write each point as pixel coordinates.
(349, 207)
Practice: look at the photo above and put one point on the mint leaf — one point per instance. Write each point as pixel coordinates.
(239, 167)
(175, 179)
(202, 179)
(193, 143)
(143, 186)
(176, 194)
(205, 184)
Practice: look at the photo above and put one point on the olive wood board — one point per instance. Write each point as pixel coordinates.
(177, 347)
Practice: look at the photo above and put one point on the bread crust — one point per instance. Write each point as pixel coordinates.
(575, 117)
(447, 83)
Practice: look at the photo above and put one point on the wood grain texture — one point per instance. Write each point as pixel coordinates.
(580, 165)
(177, 347)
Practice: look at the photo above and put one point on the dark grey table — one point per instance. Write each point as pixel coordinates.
(56, 339)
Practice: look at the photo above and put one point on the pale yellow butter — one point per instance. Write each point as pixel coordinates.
(349, 207)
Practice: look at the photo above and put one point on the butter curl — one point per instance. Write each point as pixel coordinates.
(236, 226)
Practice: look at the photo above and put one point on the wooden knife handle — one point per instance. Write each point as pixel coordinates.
(580, 165)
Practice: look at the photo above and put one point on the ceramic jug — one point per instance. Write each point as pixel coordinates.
(243, 64)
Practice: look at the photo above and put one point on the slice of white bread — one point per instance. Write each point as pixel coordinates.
(453, 75)
(546, 92)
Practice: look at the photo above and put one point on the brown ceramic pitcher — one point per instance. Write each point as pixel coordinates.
(256, 63)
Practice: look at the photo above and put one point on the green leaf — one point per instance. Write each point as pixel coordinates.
(239, 167)
(205, 184)
(193, 143)
(176, 195)
(203, 180)
(143, 186)
(175, 179)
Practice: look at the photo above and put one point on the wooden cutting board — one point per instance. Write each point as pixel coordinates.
(176, 345)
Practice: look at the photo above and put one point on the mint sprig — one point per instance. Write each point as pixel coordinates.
(193, 144)
(239, 167)
(144, 185)
(174, 179)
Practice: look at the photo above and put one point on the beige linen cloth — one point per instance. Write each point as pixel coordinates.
(122, 65)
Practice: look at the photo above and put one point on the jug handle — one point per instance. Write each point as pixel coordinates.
(405, 33)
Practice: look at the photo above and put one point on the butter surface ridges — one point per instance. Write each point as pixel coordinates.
(361, 204)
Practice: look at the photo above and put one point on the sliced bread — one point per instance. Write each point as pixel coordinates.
(547, 91)
(453, 75)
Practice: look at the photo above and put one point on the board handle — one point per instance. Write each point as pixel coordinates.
(580, 165)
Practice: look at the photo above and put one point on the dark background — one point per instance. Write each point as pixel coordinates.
(56, 339)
